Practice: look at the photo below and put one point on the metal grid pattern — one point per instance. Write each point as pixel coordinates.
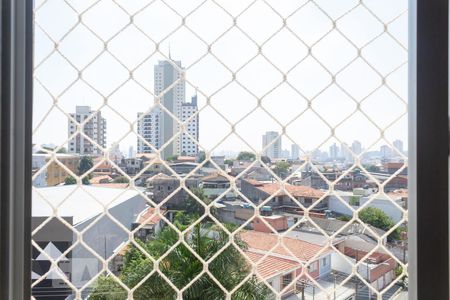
(287, 19)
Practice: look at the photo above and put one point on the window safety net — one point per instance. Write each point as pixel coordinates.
(215, 149)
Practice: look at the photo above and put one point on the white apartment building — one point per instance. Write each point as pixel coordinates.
(149, 128)
(356, 147)
(295, 151)
(95, 129)
(334, 151)
(346, 153)
(159, 126)
(187, 145)
(274, 150)
(398, 144)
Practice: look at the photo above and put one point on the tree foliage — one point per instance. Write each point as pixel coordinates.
(266, 159)
(172, 158)
(282, 169)
(181, 267)
(85, 165)
(246, 156)
(70, 180)
(379, 219)
(120, 179)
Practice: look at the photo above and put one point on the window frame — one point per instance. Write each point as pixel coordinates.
(16, 32)
(428, 149)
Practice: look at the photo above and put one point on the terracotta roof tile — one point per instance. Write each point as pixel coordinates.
(294, 190)
(262, 241)
(271, 265)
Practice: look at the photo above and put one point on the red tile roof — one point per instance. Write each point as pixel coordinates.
(272, 265)
(262, 241)
(294, 190)
(147, 216)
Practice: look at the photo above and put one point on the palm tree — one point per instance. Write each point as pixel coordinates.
(181, 267)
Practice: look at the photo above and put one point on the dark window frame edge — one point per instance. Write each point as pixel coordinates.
(428, 238)
(16, 148)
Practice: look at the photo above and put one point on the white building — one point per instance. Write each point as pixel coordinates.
(346, 153)
(158, 126)
(149, 128)
(334, 151)
(398, 144)
(187, 145)
(295, 151)
(385, 151)
(95, 129)
(274, 150)
(356, 147)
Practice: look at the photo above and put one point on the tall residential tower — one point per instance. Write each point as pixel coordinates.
(158, 126)
(94, 128)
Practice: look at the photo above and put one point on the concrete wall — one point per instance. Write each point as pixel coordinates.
(387, 206)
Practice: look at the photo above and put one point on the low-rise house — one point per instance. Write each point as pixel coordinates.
(219, 160)
(259, 174)
(233, 212)
(257, 192)
(149, 224)
(350, 181)
(161, 187)
(378, 269)
(281, 268)
(183, 167)
(54, 173)
(215, 185)
(132, 166)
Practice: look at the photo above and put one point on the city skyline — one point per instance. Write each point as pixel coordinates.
(214, 83)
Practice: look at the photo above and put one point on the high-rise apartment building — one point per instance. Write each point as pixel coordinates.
(398, 144)
(94, 128)
(385, 151)
(188, 112)
(295, 151)
(274, 150)
(356, 147)
(334, 151)
(149, 129)
(346, 153)
(158, 126)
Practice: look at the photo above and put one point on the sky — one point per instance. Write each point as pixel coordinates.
(294, 105)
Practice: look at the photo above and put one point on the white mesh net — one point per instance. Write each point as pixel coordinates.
(176, 223)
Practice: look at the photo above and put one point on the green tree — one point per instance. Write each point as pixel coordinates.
(70, 180)
(379, 219)
(120, 179)
(181, 267)
(282, 169)
(246, 156)
(266, 159)
(229, 162)
(193, 207)
(172, 158)
(344, 218)
(84, 166)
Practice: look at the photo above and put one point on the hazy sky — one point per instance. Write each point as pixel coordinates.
(306, 77)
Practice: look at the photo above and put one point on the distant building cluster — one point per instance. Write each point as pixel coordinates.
(159, 126)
